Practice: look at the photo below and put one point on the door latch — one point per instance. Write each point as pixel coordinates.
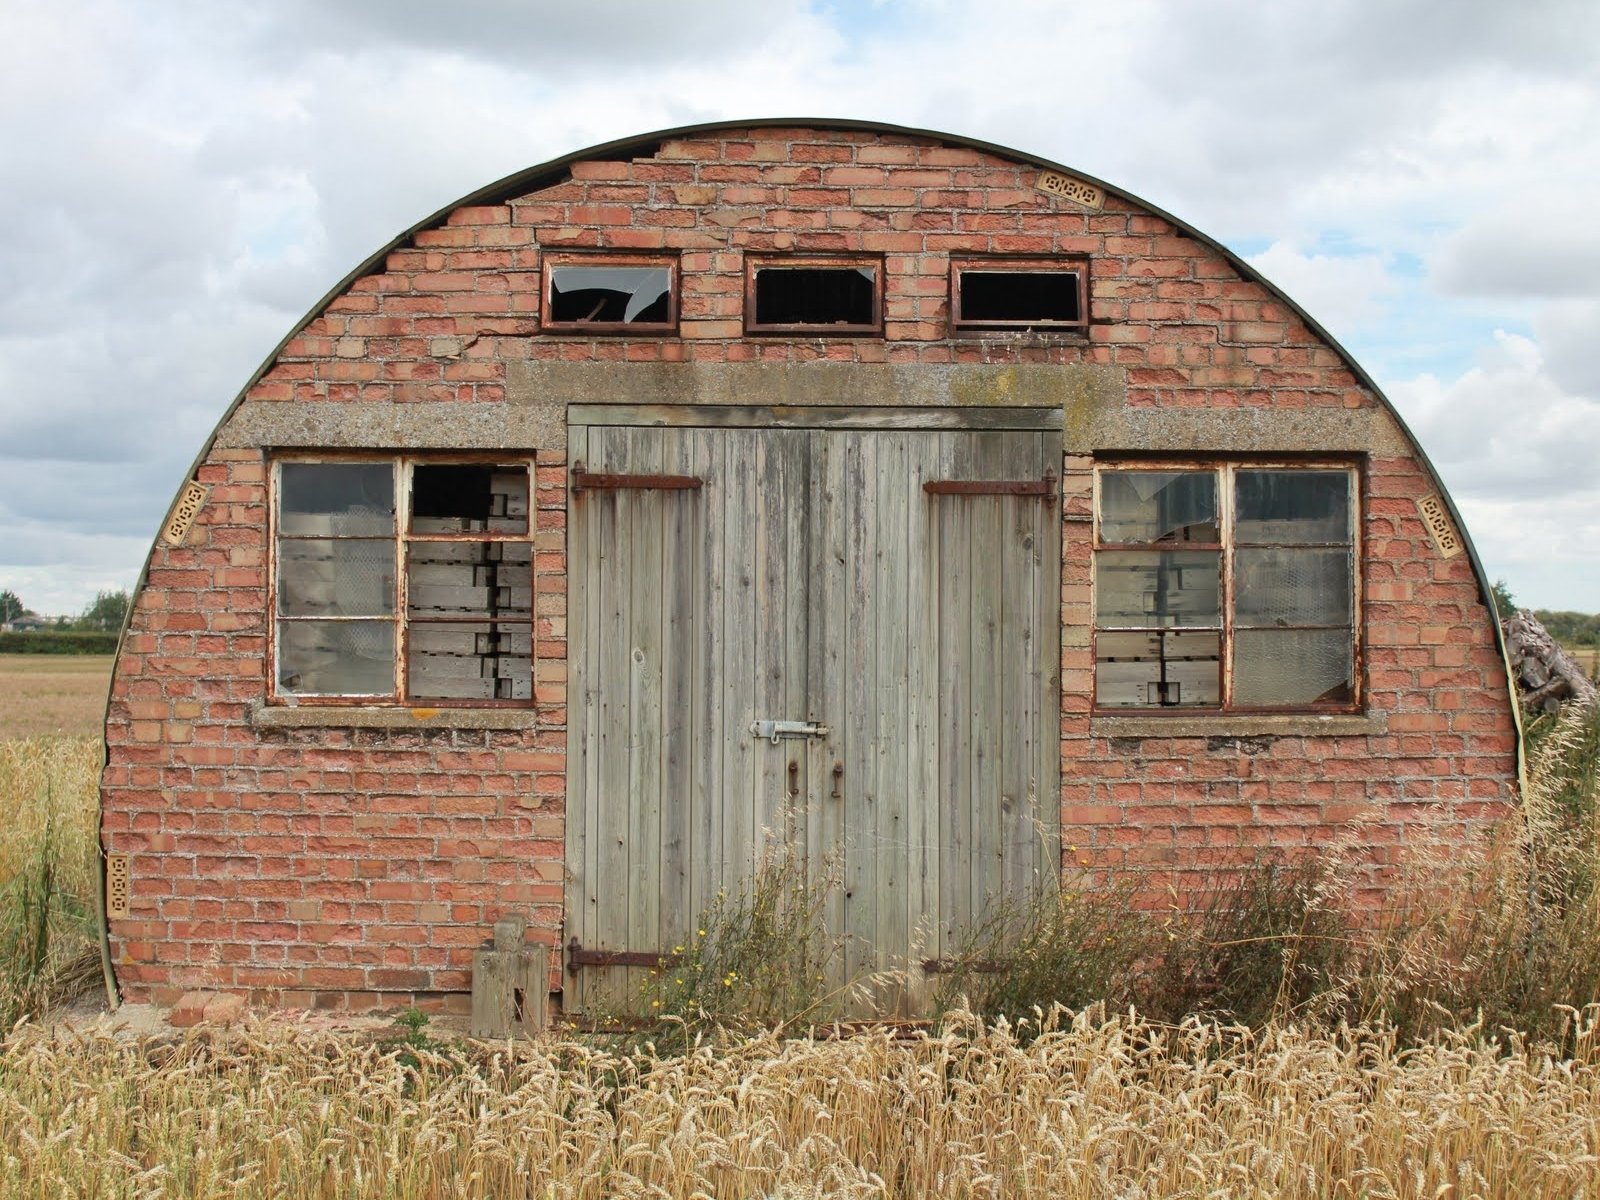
(773, 730)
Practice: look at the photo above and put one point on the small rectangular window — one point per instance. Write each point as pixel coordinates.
(814, 296)
(595, 293)
(435, 605)
(1019, 294)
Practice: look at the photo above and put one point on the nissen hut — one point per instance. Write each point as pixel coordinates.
(921, 506)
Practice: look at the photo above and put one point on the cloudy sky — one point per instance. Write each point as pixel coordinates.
(180, 180)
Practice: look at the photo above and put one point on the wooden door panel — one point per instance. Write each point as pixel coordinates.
(810, 577)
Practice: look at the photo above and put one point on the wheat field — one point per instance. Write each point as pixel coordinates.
(1103, 1106)
(1099, 1103)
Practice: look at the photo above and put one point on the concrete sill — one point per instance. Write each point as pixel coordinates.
(388, 716)
(1242, 725)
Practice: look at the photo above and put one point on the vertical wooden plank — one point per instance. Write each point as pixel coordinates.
(828, 664)
(984, 714)
(580, 881)
(645, 533)
(928, 458)
(680, 712)
(954, 517)
(709, 453)
(612, 517)
(859, 718)
(740, 561)
(1017, 673)
(1047, 620)
(891, 622)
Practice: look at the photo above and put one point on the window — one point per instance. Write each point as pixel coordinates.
(1227, 587)
(428, 599)
(604, 293)
(813, 296)
(1007, 294)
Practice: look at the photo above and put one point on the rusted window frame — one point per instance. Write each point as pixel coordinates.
(553, 259)
(1225, 469)
(403, 466)
(999, 264)
(753, 263)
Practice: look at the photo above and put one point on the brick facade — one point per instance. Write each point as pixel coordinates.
(360, 866)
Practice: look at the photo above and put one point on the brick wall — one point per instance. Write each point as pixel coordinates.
(361, 866)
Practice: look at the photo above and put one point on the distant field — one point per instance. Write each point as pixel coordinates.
(1586, 656)
(52, 693)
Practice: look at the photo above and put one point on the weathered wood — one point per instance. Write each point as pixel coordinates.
(1547, 676)
(510, 997)
(811, 578)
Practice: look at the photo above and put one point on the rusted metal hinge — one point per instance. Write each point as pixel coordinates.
(992, 487)
(578, 958)
(599, 481)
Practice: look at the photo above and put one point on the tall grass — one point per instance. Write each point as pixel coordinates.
(48, 858)
(1094, 1106)
(1504, 934)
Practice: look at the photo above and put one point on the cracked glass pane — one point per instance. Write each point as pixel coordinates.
(1282, 668)
(1277, 586)
(336, 658)
(335, 499)
(1292, 506)
(1158, 506)
(1152, 588)
(612, 295)
(343, 577)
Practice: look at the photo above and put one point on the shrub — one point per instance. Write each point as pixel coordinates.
(759, 956)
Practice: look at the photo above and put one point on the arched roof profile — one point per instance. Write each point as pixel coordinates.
(556, 170)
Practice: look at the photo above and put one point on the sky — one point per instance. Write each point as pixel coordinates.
(181, 180)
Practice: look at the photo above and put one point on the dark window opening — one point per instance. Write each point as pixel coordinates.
(1019, 296)
(463, 497)
(814, 298)
(616, 297)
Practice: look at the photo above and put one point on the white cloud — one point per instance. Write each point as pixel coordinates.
(181, 181)
(1343, 293)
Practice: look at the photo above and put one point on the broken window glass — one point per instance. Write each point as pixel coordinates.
(1276, 630)
(818, 297)
(470, 610)
(467, 497)
(466, 545)
(1158, 506)
(1000, 298)
(1292, 667)
(609, 295)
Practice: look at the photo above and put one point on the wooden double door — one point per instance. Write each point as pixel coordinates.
(892, 597)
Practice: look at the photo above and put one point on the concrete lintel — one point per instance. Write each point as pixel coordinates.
(1029, 385)
(1242, 725)
(375, 425)
(376, 716)
(1096, 429)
